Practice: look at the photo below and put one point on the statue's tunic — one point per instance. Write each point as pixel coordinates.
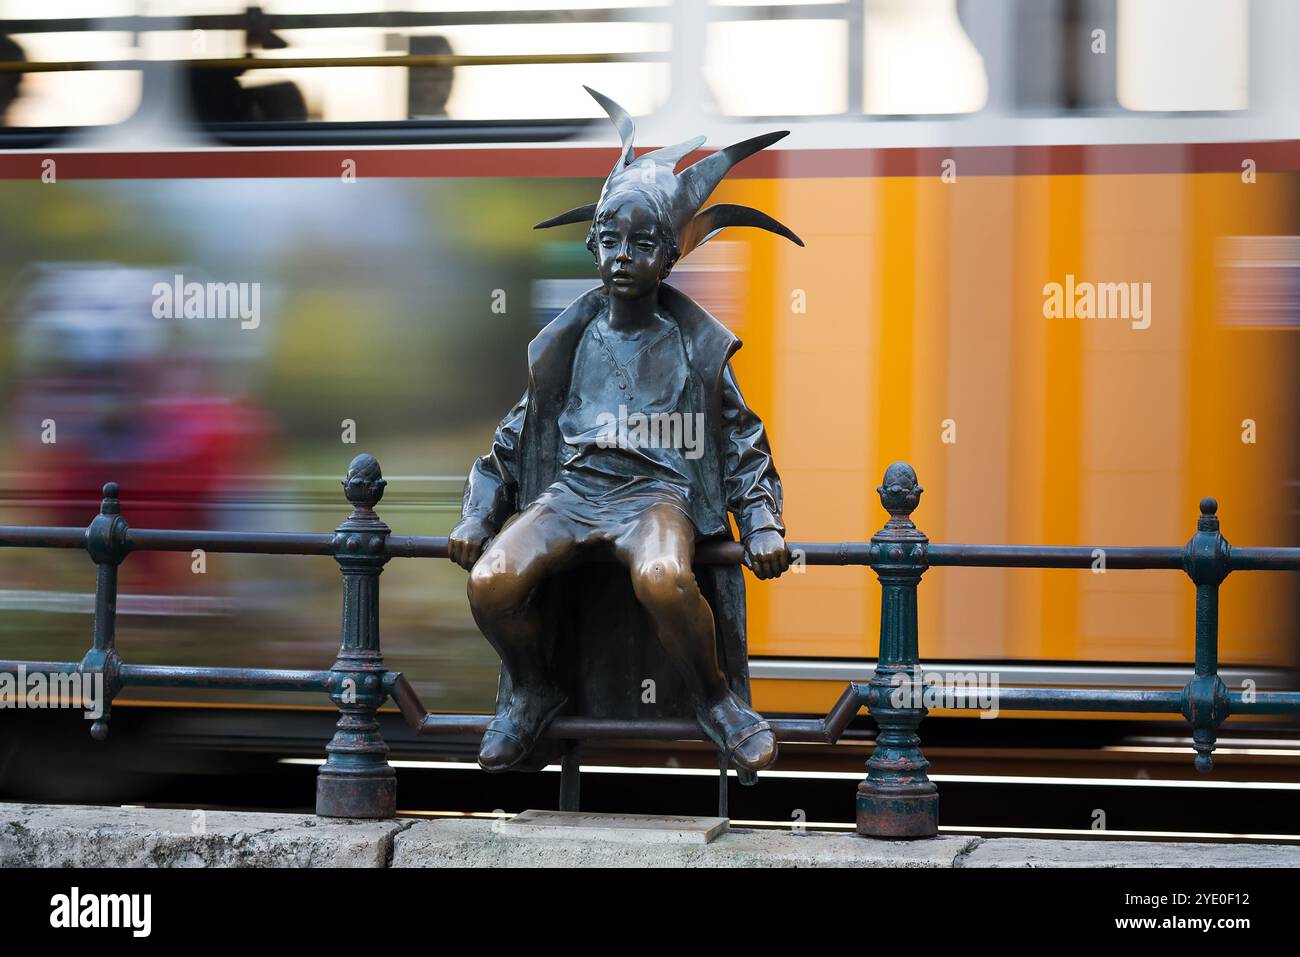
(529, 454)
(628, 443)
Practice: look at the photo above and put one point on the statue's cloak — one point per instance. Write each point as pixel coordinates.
(605, 650)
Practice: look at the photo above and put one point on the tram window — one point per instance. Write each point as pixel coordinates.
(184, 36)
(1065, 55)
(65, 98)
(918, 60)
(1139, 55)
(777, 68)
(1183, 54)
(909, 57)
(522, 91)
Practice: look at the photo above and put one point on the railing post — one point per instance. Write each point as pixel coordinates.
(897, 800)
(1205, 698)
(106, 545)
(356, 779)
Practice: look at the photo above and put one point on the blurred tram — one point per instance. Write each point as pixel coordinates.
(936, 315)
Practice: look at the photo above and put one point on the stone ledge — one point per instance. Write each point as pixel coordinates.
(1031, 852)
(41, 835)
(459, 842)
(78, 836)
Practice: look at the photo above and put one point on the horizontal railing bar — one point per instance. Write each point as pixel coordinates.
(179, 676)
(663, 729)
(263, 679)
(967, 697)
(416, 546)
(39, 667)
(711, 553)
(1167, 701)
(577, 728)
(822, 553)
(810, 553)
(1026, 674)
(42, 536)
(1265, 559)
(808, 730)
(453, 724)
(256, 543)
(1053, 556)
(1265, 702)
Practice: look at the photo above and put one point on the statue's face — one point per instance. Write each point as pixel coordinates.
(631, 251)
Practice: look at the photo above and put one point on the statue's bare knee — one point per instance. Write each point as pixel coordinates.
(665, 585)
(496, 591)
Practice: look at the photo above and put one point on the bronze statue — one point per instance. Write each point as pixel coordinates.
(631, 442)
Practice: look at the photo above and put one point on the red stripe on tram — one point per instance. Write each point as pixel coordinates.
(533, 161)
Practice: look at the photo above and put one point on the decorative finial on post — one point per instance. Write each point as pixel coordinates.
(900, 494)
(106, 534)
(1209, 520)
(364, 483)
(111, 504)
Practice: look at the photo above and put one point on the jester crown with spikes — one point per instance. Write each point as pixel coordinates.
(676, 197)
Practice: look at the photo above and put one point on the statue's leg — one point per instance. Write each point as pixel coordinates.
(533, 546)
(659, 550)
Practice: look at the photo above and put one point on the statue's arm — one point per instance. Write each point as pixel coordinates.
(492, 487)
(751, 483)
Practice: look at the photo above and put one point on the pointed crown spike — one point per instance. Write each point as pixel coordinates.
(713, 220)
(702, 178)
(670, 156)
(678, 196)
(622, 121)
(579, 214)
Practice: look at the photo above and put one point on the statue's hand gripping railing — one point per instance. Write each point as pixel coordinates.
(895, 800)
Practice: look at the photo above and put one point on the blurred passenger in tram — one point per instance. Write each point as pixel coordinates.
(428, 88)
(10, 83)
(111, 393)
(218, 96)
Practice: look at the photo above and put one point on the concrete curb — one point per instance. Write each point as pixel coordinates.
(78, 836)
(458, 842)
(37, 835)
(1028, 852)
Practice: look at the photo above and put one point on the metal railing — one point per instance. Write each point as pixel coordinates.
(895, 800)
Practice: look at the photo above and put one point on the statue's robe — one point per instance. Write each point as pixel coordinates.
(604, 643)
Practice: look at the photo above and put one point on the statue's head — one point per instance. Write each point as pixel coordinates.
(648, 215)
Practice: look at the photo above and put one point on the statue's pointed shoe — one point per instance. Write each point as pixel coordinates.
(744, 737)
(507, 743)
(757, 749)
(502, 746)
